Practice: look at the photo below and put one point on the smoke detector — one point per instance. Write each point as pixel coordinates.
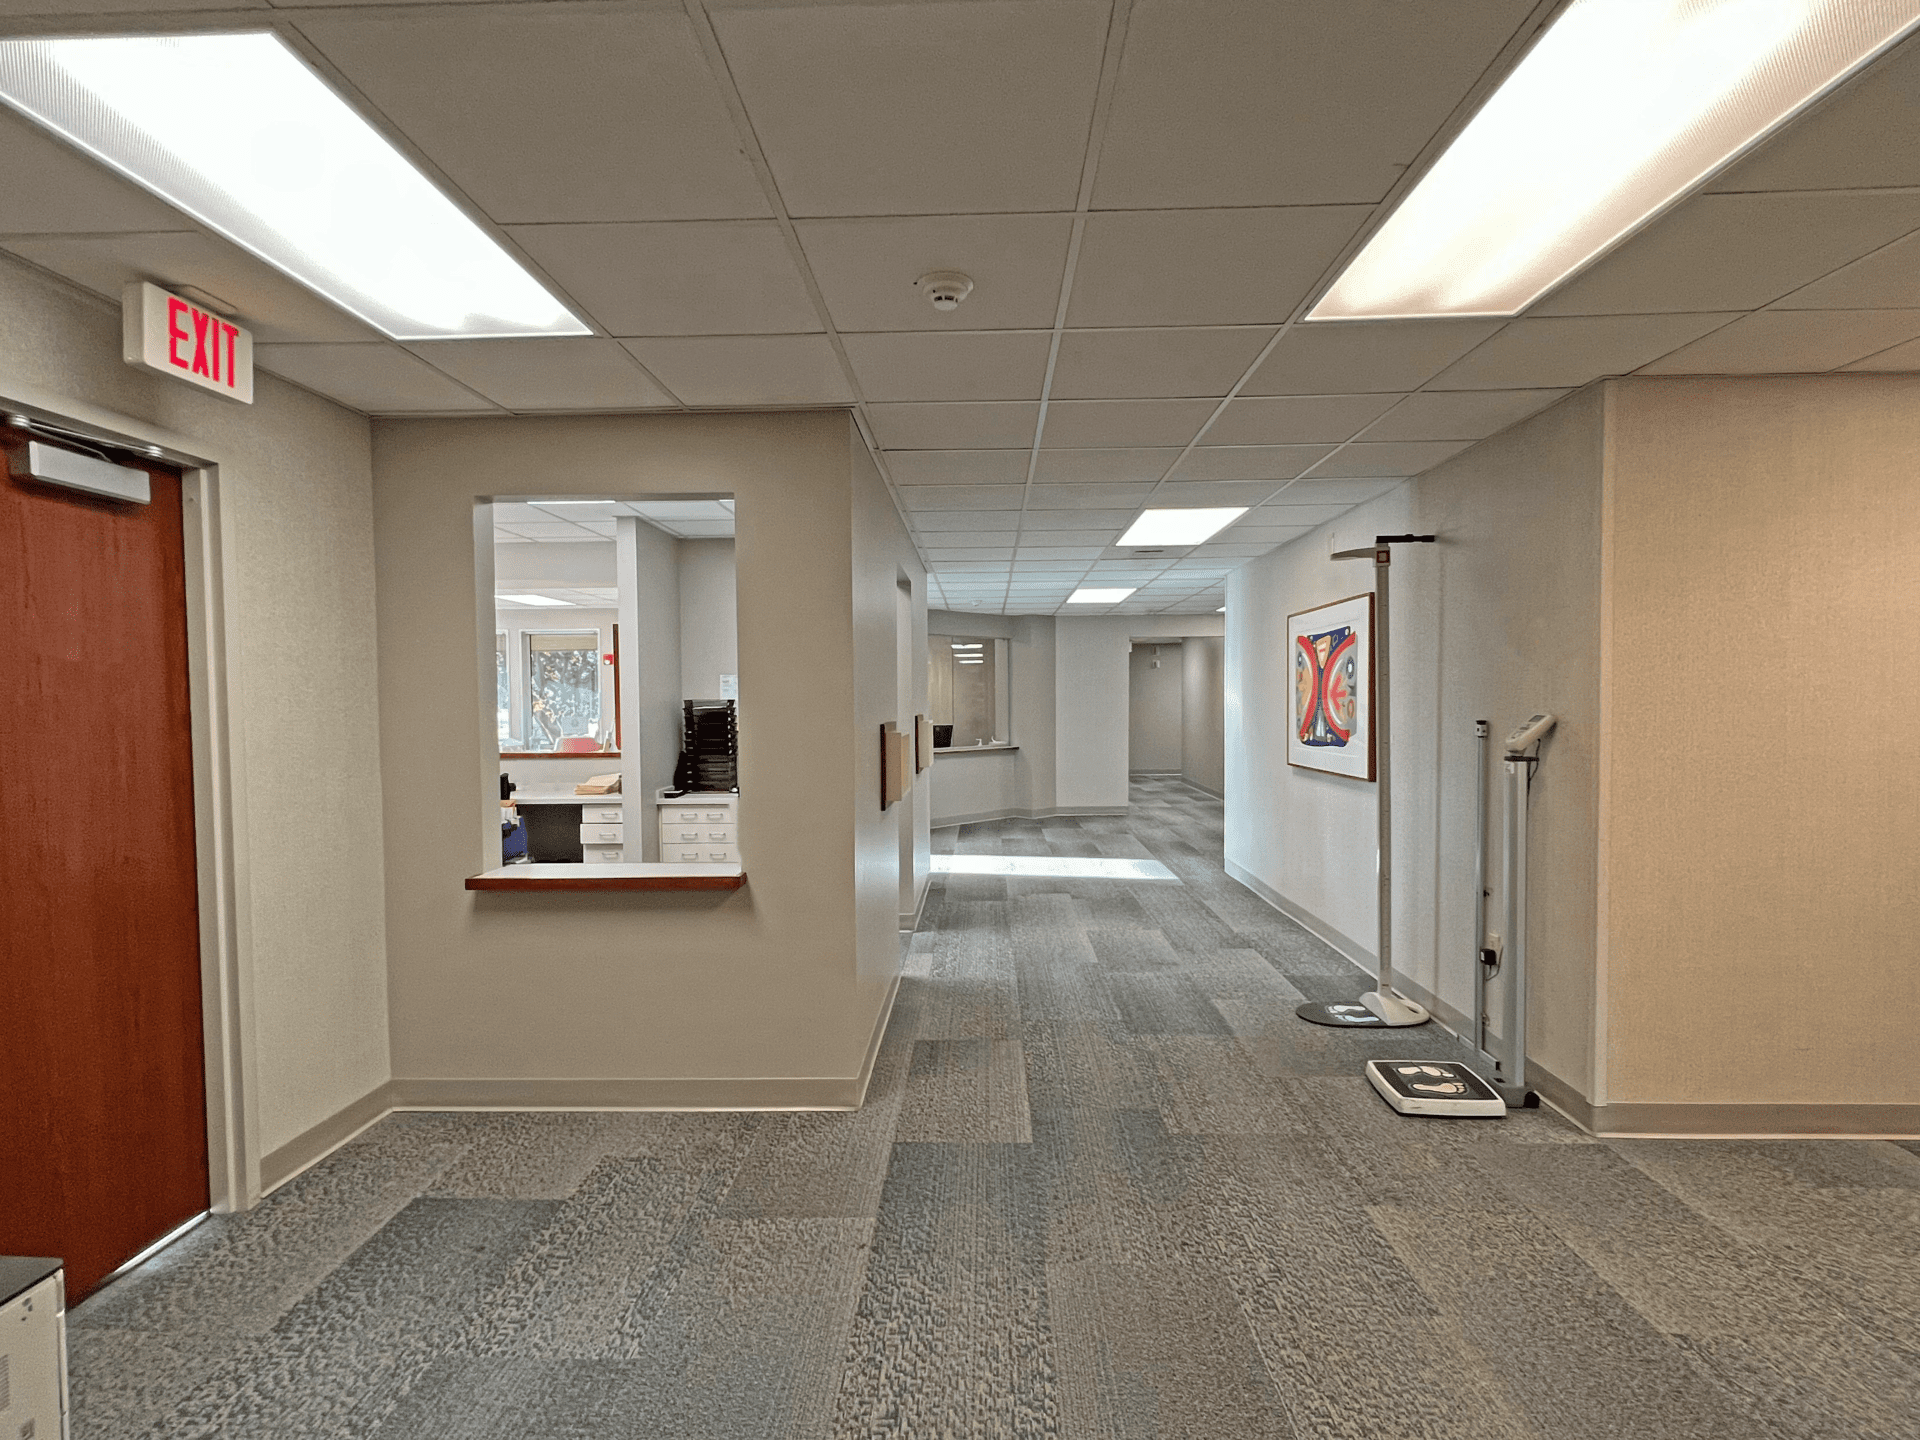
(945, 289)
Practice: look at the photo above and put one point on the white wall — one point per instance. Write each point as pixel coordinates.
(709, 618)
(1203, 713)
(296, 544)
(1155, 705)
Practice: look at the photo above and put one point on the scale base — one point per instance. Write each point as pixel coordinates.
(1434, 1087)
(1348, 1016)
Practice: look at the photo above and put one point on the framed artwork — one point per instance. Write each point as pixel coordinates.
(1332, 658)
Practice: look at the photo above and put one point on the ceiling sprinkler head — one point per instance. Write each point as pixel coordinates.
(945, 289)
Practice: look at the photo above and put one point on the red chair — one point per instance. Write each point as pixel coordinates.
(577, 745)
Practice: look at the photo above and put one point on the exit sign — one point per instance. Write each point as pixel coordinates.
(164, 332)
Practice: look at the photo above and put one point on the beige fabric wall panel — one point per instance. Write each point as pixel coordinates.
(1762, 797)
(296, 510)
(1154, 703)
(1498, 619)
(765, 982)
(1203, 720)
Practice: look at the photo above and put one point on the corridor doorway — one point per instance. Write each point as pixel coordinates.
(1176, 710)
(103, 1137)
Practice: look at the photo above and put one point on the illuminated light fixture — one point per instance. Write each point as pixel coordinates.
(260, 149)
(1221, 611)
(1100, 597)
(1180, 527)
(1621, 109)
(535, 600)
(976, 645)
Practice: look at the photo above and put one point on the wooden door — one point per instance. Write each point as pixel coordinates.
(103, 1138)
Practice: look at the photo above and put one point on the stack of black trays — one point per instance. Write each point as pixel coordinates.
(711, 750)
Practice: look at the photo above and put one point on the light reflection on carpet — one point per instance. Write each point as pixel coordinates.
(1053, 867)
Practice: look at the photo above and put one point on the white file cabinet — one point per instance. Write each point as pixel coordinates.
(603, 834)
(33, 1349)
(702, 828)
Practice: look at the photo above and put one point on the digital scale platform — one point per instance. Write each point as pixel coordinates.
(1433, 1087)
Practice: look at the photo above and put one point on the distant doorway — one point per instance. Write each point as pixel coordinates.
(103, 1134)
(1176, 710)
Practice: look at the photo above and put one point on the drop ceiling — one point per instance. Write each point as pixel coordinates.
(739, 194)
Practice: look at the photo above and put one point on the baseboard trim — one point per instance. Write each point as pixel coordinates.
(911, 922)
(775, 1093)
(313, 1145)
(1052, 812)
(1631, 1119)
(1204, 789)
(1349, 949)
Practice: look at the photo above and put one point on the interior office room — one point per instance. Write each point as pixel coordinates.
(976, 717)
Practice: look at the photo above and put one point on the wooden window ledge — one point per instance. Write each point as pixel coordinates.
(661, 876)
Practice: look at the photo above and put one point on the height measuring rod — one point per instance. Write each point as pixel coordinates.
(1380, 1006)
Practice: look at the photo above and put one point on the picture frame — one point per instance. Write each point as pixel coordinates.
(1330, 650)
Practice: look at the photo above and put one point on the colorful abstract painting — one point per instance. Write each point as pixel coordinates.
(1332, 657)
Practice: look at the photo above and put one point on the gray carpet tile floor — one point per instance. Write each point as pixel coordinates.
(1104, 1184)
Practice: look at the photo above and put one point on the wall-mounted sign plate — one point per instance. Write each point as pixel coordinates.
(173, 336)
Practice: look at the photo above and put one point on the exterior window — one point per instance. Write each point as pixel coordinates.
(563, 689)
(503, 691)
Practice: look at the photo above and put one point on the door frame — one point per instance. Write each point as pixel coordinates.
(219, 782)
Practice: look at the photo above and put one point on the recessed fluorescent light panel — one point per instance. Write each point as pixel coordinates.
(1622, 108)
(1180, 527)
(535, 600)
(238, 132)
(1100, 597)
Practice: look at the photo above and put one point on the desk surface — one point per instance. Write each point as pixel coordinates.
(520, 797)
(20, 1273)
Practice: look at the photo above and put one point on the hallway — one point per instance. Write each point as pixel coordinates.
(1104, 1184)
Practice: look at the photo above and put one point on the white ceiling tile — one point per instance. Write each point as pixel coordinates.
(1735, 252)
(626, 98)
(1248, 462)
(376, 379)
(1349, 358)
(1074, 519)
(53, 188)
(962, 497)
(930, 108)
(1269, 534)
(1458, 414)
(1070, 538)
(1394, 459)
(969, 539)
(1224, 103)
(1242, 551)
(1570, 350)
(275, 308)
(1153, 364)
(1791, 342)
(970, 365)
(1004, 552)
(746, 370)
(1888, 279)
(729, 277)
(866, 269)
(938, 520)
(1097, 424)
(1296, 515)
(1901, 358)
(1086, 496)
(1205, 493)
(1061, 552)
(1071, 467)
(1204, 267)
(547, 374)
(1334, 492)
(1867, 135)
(986, 425)
(1297, 419)
(958, 467)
